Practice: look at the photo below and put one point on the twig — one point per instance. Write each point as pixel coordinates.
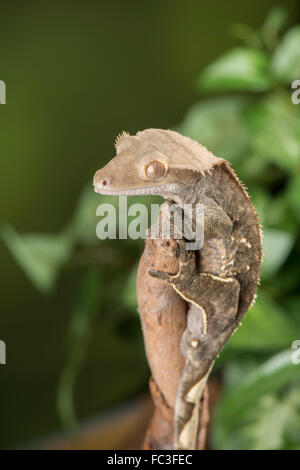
(163, 317)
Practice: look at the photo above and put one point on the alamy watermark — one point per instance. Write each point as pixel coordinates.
(296, 94)
(2, 92)
(295, 357)
(176, 221)
(2, 352)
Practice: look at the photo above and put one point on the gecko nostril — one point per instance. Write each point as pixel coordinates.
(105, 182)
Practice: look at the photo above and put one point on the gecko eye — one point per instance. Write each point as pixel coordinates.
(155, 170)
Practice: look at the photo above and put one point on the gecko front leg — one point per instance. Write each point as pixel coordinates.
(213, 306)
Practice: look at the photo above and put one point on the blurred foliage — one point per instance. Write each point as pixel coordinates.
(258, 130)
(79, 335)
(250, 120)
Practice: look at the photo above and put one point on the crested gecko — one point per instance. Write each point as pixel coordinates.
(218, 281)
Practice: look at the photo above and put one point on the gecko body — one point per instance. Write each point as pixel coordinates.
(219, 281)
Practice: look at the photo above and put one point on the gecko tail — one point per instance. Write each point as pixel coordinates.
(188, 410)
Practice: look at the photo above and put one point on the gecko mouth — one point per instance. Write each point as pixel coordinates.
(131, 192)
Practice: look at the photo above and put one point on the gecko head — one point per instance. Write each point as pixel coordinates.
(139, 168)
(154, 161)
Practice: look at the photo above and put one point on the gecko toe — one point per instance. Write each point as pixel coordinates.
(160, 275)
(182, 252)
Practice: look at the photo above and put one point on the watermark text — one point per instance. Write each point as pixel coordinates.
(2, 352)
(295, 357)
(296, 94)
(2, 92)
(175, 221)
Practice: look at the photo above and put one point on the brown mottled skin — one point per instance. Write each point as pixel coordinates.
(219, 281)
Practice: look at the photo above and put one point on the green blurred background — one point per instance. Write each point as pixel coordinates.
(78, 73)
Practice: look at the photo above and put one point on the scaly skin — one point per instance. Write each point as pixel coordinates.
(219, 281)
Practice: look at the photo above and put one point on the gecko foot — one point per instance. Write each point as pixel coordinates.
(187, 266)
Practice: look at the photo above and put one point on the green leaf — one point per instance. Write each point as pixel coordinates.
(240, 69)
(245, 33)
(266, 432)
(285, 63)
(280, 215)
(236, 404)
(274, 23)
(272, 420)
(79, 338)
(274, 123)
(218, 125)
(40, 256)
(277, 245)
(265, 327)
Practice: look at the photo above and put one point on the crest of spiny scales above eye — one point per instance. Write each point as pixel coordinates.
(180, 151)
(122, 135)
